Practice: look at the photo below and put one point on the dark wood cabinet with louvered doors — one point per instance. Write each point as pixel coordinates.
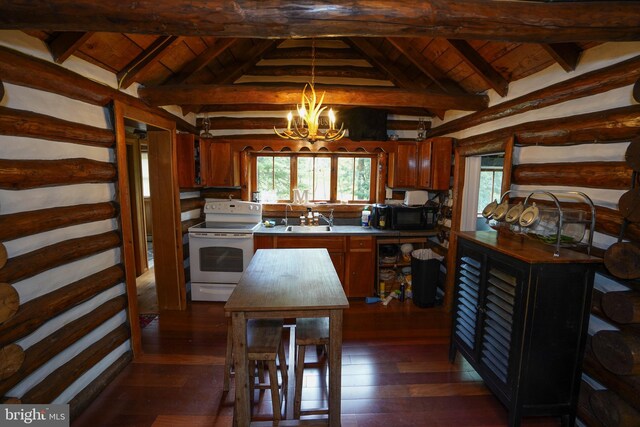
(520, 318)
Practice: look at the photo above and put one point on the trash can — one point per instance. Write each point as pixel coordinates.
(425, 270)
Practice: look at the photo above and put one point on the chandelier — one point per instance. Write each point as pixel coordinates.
(309, 111)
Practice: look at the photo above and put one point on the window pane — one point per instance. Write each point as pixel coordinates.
(282, 173)
(362, 188)
(305, 174)
(322, 178)
(273, 177)
(485, 193)
(497, 185)
(264, 175)
(345, 178)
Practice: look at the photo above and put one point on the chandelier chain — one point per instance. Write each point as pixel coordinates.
(313, 61)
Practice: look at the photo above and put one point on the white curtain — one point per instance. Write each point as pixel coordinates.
(470, 194)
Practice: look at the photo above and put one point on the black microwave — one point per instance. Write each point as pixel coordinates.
(413, 217)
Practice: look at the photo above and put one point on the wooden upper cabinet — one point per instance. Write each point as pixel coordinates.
(219, 164)
(434, 164)
(188, 160)
(403, 167)
(425, 164)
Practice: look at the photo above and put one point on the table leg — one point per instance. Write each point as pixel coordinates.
(242, 409)
(335, 367)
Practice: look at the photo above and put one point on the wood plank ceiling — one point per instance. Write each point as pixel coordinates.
(389, 70)
(437, 65)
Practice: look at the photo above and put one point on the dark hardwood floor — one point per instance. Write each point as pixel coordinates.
(395, 373)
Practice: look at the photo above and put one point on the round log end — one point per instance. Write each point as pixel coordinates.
(622, 307)
(3, 255)
(632, 155)
(629, 205)
(610, 410)
(623, 260)
(618, 352)
(636, 91)
(9, 301)
(11, 359)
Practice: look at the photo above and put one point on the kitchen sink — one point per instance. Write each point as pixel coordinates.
(308, 229)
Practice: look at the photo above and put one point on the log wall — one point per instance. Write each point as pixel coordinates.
(63, 304)
(565, 144)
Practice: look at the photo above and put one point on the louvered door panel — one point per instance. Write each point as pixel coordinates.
(467, 296)
(498, 322)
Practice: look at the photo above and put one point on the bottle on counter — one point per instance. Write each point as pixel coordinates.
(366, 215)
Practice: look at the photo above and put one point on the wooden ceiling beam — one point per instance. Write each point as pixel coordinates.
(376, 58)
(147, 58)
(233, 123)
(234, 71)
(290, 95)
(484, 70)
(322, 71)
(407, 111)
(380, 60)
(566, 55)
(202, 60)
(305, 53)
(548, 22)
(64, 44)
(419, 60)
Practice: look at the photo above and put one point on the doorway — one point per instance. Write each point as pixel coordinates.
(141, 219)
(164, 214)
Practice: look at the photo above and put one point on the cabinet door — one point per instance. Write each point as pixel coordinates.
(360, 266)
(218, 167)
(434, 164)
(338, 263)
(424, 164)
(186, 160)
(335, 246)
(262, 242)
(404, 168)
(441, 151)
(500, 327)
(468, 293)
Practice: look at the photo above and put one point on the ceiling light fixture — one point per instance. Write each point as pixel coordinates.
(309, 111)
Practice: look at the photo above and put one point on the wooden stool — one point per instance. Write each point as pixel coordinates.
(264, 345)
(309, 331)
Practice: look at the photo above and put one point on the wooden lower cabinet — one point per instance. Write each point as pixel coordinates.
(360, 266)
(353, 257)
(334, 244)
(520, 318)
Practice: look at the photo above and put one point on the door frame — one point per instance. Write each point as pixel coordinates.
(168, 225)
(460, 159)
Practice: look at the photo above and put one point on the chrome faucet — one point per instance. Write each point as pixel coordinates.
(285, 221)
(328, 220)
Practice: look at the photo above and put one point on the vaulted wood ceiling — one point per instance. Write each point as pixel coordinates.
(408, 70)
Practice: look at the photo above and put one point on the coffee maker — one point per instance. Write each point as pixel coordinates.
(380, 216)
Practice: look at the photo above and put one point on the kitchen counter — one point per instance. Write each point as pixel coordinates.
(343, 230)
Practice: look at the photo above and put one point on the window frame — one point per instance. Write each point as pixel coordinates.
(333, 176)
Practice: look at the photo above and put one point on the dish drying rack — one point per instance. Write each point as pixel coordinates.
(560, 217)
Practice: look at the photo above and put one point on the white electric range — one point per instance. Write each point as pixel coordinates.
(221, 247)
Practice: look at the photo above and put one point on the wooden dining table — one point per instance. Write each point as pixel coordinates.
(287, 283)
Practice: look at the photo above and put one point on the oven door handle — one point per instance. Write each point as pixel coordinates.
(221, 235)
